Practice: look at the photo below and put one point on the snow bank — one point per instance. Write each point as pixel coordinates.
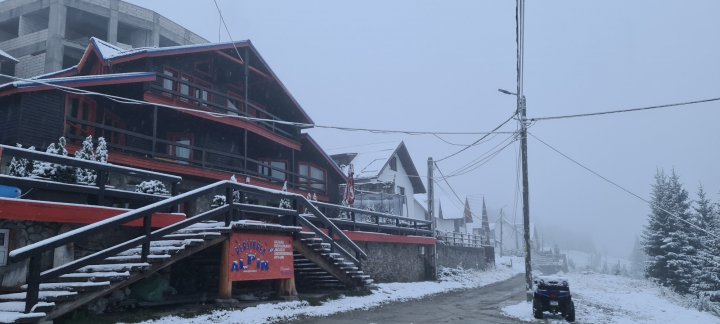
(613, 299)
(451, 279)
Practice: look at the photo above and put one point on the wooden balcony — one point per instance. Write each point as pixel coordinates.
(203, 98)
(163, 150)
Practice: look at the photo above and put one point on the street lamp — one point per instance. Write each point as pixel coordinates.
(526, 194)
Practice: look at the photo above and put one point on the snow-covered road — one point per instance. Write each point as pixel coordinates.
(452, 279)
(613, 299)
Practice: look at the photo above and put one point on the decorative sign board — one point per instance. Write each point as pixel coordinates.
(260, 257)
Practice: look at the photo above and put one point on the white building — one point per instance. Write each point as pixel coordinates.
(386, 179)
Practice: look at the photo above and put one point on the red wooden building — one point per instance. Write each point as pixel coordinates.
(204, 112)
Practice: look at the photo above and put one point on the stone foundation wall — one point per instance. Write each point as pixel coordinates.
(393, 262)
(465, 257)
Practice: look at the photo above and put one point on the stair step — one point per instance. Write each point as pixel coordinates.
(307, 234)
(368, 281)
(118, 267)
(361, 277)
(19, 306)
(152, 258)
(326, 280)
(311, 240)
(190, 236)
(20, 317)
(307, 268)
(43, 295)
(204, 230)
(154, 250)
(348, 268)
(319, 277)
(94, 276)
(73, 286)
(305, 273)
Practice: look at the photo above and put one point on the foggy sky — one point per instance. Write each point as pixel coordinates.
(437, 65)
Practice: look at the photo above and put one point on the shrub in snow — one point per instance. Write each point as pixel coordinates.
(20, 167)
(153, 187)
(86, 152)
(285, 202)
(219, 200)
(56, 172)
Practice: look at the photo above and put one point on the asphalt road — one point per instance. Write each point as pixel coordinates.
(476, 305)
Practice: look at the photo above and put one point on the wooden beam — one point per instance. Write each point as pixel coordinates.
(230, 57)
(225, 285)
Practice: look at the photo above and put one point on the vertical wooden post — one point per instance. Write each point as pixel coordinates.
(102, 176)
(225, 286)
(33, 283)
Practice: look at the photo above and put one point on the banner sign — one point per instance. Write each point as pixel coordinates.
(260, 257)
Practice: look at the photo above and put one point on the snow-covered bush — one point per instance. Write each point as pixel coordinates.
(86, 152)
(153, 187)
(101, 152)
(219, 200)
(20, 167)
(285, 202)
(53, 171)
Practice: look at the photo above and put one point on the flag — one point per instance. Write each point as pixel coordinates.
(349, 199)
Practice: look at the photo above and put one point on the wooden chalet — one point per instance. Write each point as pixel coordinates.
(233, 116)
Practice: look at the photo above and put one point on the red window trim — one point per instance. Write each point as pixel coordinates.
(266, 162)
(78, 130)
(210, 66)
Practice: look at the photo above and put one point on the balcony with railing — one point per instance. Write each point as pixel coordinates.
(198, 95)
(183, 152)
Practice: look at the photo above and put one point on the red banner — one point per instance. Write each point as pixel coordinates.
(260, 257)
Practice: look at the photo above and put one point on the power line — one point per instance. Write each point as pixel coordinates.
(483, 158)
(626, 190)
(627, 110)
(131, 101)
(444, 178)
(227, 29)
(480, 139)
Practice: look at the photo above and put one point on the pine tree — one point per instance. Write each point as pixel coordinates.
(86, 152)
(101, 152)
(670, 244)
(707, 276)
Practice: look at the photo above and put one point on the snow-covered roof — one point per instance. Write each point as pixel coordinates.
(372, 159)
(130, 77)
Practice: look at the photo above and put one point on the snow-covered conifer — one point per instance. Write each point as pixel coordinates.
(707, 277)
(669, 242)
(101, 152)
(86, 152)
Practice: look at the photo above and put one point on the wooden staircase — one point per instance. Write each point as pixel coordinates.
(72, 290)
(317, 267)
(322, 259)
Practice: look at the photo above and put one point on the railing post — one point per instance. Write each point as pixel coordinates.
(33, 283)
(147, 226)
(174, 192)
(101, 181)
(229, 200)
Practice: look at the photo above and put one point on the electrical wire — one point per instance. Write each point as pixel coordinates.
(227, 30)
(627, 110)
(444, 178)
(479, 140)
(126, 100)
(626, 190)
(483, 158)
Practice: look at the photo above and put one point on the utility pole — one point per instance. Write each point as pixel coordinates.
(501, 231)
(521, 106)
(431, 213)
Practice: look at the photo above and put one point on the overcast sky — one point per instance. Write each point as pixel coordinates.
(437, 65)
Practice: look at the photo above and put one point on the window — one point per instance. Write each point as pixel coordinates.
(80, 109)
(201, 93)
(169, 82)
(182, 150)
(312, 175)
(401, 191)
(184, 87)
(272, 170)
(393, 163)
(4, 236)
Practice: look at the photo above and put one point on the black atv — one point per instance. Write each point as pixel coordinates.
(552, 294)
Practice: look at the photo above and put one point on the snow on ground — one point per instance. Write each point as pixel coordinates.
(451, 279)
(614, 299)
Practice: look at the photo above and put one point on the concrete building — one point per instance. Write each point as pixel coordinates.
(50, 35)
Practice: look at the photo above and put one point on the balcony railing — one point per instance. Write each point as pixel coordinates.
(165, 150)
(460, 239)
(206, 99)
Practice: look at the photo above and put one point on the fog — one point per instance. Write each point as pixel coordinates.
(437, 65)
